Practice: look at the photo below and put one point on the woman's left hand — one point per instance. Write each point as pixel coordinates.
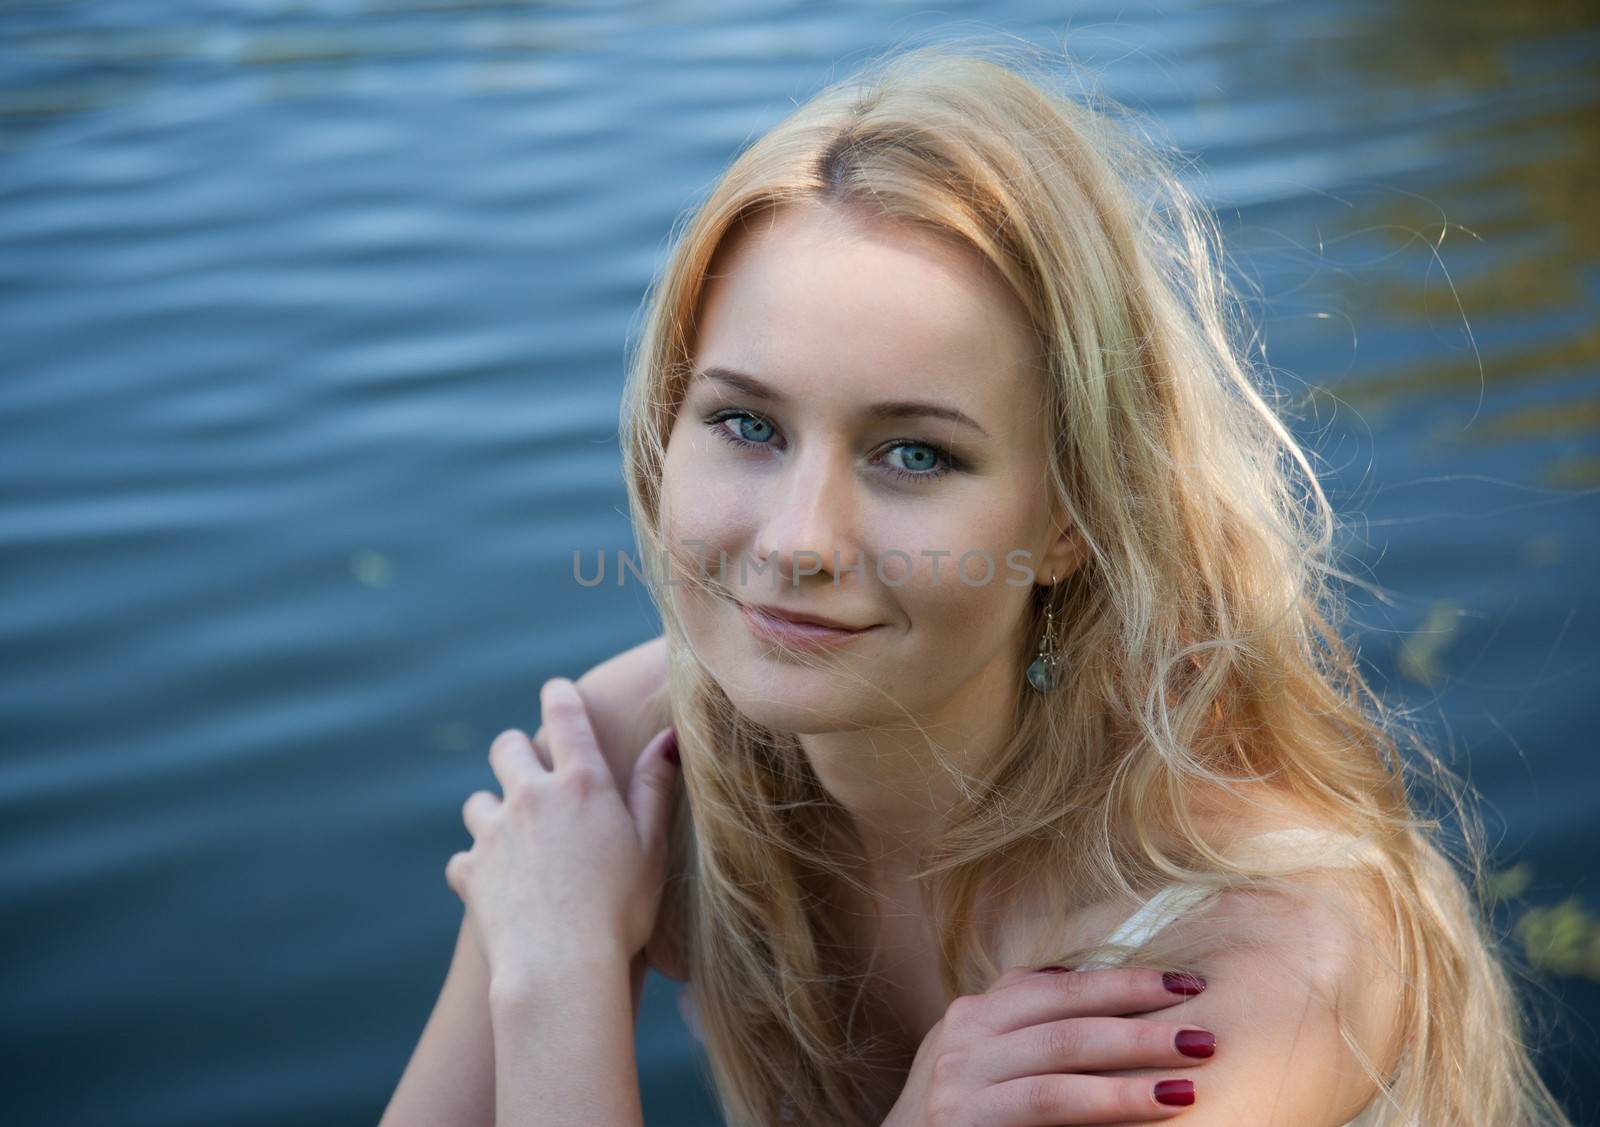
(561, 870)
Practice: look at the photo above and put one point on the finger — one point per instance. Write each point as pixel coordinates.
(475, 811)
(1022, 974)
(513, 759)
(1043, 1101)
(541, 748)
(1039, 998)
(1094, 1044)
(454, 874)
(650, 792)
(566, 720)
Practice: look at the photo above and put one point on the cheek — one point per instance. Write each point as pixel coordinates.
(703, 506)
(684, 481)
(946, 542)
(943, 546)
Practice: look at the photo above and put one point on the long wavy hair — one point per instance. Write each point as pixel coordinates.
(1199, 636)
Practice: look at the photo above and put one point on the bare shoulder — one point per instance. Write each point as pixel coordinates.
(1304, 976)
(1303, 983)
(1329, 927)
(627, 702)
(1325, 928)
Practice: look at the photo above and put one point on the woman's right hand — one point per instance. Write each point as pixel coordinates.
(1023, 1053)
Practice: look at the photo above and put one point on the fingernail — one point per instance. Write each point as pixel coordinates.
(1195, 1043)
(1054, 970)
(672, 748)
(1183, 983)
(1179, 1093)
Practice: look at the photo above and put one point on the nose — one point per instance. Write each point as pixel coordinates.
(810, 527)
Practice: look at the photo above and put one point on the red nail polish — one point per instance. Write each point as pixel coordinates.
(1178, 1093)
(1183, 983)
(1053, 970)
(1195, 1043)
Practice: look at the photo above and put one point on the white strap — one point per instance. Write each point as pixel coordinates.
(1164, 908)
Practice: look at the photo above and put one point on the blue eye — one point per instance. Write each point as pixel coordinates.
(923, 461)
(752, 430)
(917, 461)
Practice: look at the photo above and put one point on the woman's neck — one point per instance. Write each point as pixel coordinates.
(886, 778)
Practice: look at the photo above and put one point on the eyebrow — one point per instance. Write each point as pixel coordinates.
(892, 409)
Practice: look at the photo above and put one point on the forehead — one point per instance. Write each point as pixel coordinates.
(819, 301)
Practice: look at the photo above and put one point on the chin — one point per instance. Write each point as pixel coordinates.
(796, 717)
(793, 698)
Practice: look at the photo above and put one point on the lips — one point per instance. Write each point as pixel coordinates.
(794, 630)
(805, 619)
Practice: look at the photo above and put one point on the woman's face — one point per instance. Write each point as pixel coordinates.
(864, 413)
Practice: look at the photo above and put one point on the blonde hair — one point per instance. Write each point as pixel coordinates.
(1199, 635)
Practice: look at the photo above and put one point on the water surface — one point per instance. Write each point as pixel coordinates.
(314, 322)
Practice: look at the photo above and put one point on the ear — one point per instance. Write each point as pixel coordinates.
(1065, 553)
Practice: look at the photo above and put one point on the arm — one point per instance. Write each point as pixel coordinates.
(564, 884)
(450, 1079)
(564, 1047)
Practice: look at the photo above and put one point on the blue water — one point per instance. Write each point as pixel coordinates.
(313, 323)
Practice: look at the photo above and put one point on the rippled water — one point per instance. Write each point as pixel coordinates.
(313, 322)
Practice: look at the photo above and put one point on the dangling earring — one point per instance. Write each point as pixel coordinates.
(1045, 672)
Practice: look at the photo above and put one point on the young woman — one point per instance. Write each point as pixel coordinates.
(998, 640)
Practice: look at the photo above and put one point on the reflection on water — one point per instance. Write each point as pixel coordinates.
(315, 319)
(1501, 99)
